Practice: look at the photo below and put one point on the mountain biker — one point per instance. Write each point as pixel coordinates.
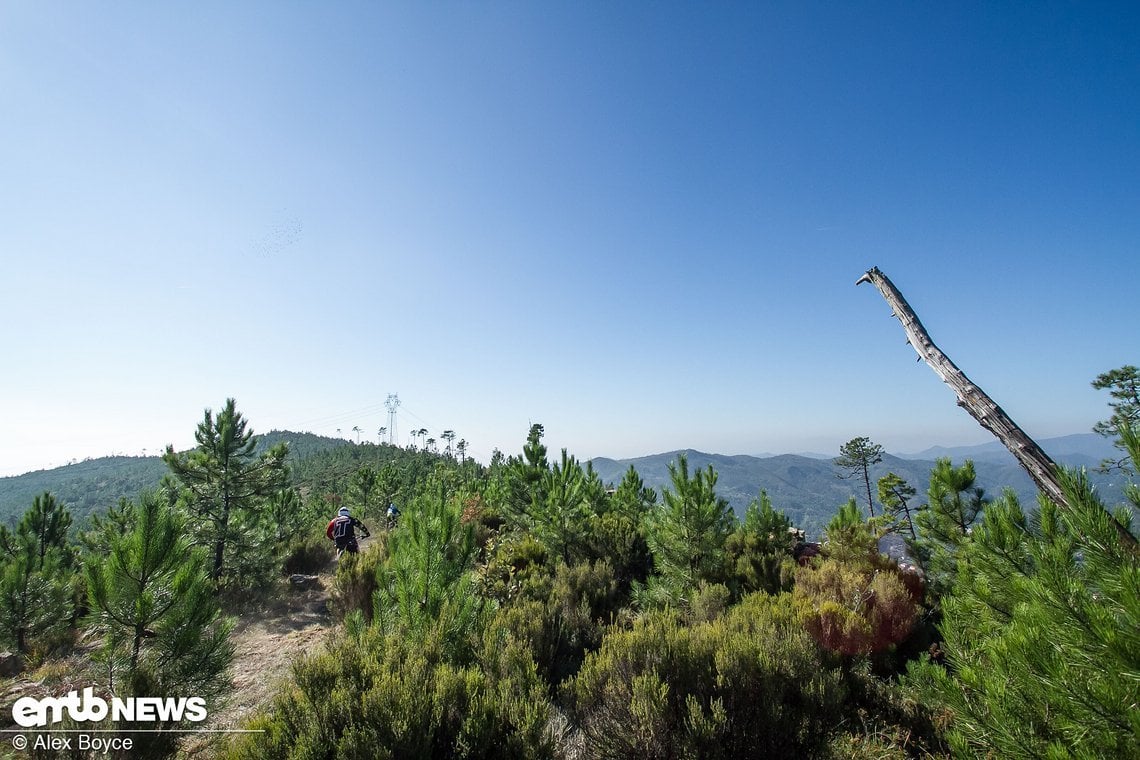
(341, 532)
(392, 516)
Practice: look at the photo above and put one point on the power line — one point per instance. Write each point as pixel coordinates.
(421, 419)
(344, 416)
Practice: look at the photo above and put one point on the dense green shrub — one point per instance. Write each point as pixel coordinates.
(882, 719)
(379, 695)
(517, 566)
(748, 684)
(355, 584)
(583, 602)
(853, 610)
(570, 620)
(620, 541)
(307, 553)
(854, 600)
(709, 602)
(585, 599)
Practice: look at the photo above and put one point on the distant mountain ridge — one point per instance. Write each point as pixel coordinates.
(809, 490)
(806, 487)
(1070, 448)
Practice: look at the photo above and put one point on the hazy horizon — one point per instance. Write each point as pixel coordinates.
(552, 445)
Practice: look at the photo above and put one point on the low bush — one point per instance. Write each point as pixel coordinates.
(750, 683)
(517, 567)
(355, 584)
(377, 695)
(307, 554)
(855, 610)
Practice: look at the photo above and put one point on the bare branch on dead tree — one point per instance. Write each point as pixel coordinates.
(1040, 466)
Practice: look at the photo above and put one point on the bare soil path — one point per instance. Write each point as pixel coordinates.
(267, 641)
(269, 637)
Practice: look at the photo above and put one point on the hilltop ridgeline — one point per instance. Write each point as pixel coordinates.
(806, 488)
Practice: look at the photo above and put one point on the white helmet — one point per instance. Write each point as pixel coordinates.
(343, 512)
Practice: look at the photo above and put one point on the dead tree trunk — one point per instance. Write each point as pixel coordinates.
(1041, 468)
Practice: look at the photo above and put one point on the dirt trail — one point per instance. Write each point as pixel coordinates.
(266, 643)
(269, 637)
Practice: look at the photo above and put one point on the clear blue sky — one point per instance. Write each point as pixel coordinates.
(637, 223)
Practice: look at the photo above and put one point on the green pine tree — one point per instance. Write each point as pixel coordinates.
(152, 602)
(522, 480)
(426, 583)
(759, 549)
(104, 529)
(1042, 631)
(617, 534)
(895, 495)
(632, 498)
(1123, 385)
(36, 574)
(857, 456)
(364, 492)
(561, 520)
(35, 591)
(687, 532)
(851, 537)
(556, 503)
(229, 486)
(286, 516)
(47, 524)
(954, 504)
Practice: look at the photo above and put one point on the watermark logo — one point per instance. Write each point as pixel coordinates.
(84, 743)
(36, 713)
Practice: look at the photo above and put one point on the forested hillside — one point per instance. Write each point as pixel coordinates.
(85, 487)
(95, 485)
(806, 489)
